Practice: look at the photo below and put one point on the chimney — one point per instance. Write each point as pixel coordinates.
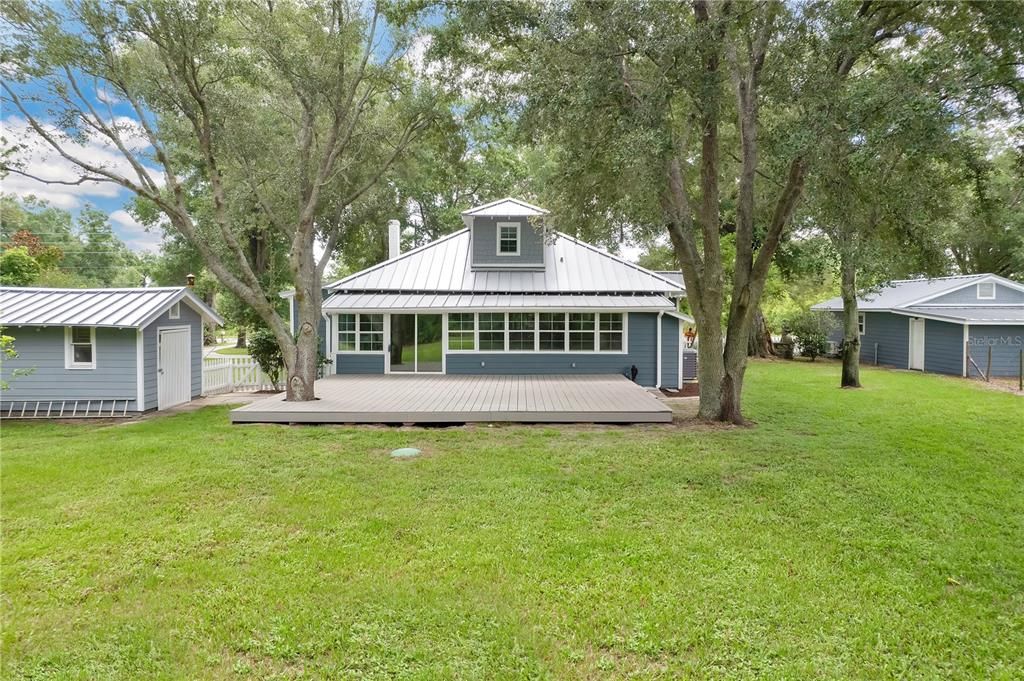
(394, 238)
(190, 280)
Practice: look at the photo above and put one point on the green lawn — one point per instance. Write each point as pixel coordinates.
(850, 534)
(231, 350)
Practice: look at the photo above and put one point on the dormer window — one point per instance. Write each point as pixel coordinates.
(508, 238)
(987, 290)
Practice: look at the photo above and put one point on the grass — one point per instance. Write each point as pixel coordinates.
(228, 350)
(850, 534)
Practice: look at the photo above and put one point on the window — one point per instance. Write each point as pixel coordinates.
(80, 347)
(460, 331)
(581, 331)
(552, 330)
(346, 333)
(862, 323)
(371, 333)
(987, 290)
(508, 238)
(521, 334)
(492, 330)
(611, 332)
(174, 312)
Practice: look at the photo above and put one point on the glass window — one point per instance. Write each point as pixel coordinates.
(371, 333)
(492, 330)
(521, 331)
(860, 323)
(81, 339)
(581, 331)
(346, 332)
(175, 311)
(552, 330)
(460, 331)
(508, 238)
(610, 337)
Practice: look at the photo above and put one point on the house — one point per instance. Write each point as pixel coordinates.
(946, 325)
(507, 296)
(102, 352)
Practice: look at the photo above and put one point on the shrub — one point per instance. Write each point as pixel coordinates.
(264, 349)
(18, 268)
(811, 330)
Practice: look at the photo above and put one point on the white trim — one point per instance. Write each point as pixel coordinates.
(679, 358)
(657, 379)
(537, 331)
(69, 355)
(862, 323)
(519, 241)
(174, 311)
(963, 348)
(675, 313)
(476, 209)
(159, 330)
(910, 342)
(140, 372)
(291, 314)
(977, 290)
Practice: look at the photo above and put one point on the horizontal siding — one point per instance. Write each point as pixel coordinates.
(969, 296)
(1006, 343)
(485, 243)
(671, 334)
(943, 347)
(41, 349)
(368, 363)
(889, 335)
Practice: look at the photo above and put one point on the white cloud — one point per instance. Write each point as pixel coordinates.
(134, 234)
(40, 160)
(106, 97)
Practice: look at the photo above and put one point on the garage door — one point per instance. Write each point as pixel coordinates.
(174, 367)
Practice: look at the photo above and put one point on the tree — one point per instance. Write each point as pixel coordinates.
(294, 111)
(811, 329)
(18, 268)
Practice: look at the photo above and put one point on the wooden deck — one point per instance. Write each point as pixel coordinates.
(461, 399)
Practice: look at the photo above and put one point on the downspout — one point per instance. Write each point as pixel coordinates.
(966, 349)
(657, 380)
(328, 339)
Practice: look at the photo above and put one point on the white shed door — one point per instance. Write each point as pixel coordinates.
(174, 367)
(917, 344)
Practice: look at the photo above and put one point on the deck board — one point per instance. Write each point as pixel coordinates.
(458, 399)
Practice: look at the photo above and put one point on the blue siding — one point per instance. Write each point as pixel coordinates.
(42, 350)
(969, 296)
(359, 363)
(671, 334)
(485, 243)
(642, 345)
(890, 333)
(1006, 343)
(943, 347)
(321, 328)
(190, 318)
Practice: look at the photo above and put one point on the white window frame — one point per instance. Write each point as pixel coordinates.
(175, 311)
(335, 346)
(519, 241)
(986, 283)
(449, 331)
(537, 331)
(69, 351)
(862, 323)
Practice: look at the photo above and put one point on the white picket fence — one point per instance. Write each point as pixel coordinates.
(223, 374)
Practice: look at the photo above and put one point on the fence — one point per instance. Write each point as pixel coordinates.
(234, 373)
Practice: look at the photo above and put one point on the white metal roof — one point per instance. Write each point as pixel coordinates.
(902, 292)
(506, 206)
(571, 266)
(339, 302)
(106, 307)
(971, 314)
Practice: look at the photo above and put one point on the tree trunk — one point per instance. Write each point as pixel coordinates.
(301, 352)
(760, 343)
(851, 327)
(240, 341)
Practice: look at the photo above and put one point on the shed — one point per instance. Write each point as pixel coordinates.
(101, 352)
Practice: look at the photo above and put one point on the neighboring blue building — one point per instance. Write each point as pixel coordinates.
(946, 325)
(506, 295)
(101, 352)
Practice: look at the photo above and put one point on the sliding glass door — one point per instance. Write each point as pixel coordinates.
(415, 344)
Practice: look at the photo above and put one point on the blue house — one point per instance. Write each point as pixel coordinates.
(947, 325)
(101, 352)
(507, 296)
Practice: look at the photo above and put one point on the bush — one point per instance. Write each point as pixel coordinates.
(264, 349)
(18, 268)
(811, 330)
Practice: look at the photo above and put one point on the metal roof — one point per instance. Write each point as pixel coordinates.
(339, 302)
(506, 206)
(106, 307)
(973, 314)
(571, 266)
(907, 292)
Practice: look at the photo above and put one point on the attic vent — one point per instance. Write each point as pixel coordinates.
(987, 290)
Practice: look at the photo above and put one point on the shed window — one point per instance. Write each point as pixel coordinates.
(80, 347)
(508, 238)
(175, 311)
(987, 290)
(371, 333)
(460, 331)
(862, 323)
(492, 330)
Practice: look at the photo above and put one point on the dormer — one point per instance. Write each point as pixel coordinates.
(507, 234)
